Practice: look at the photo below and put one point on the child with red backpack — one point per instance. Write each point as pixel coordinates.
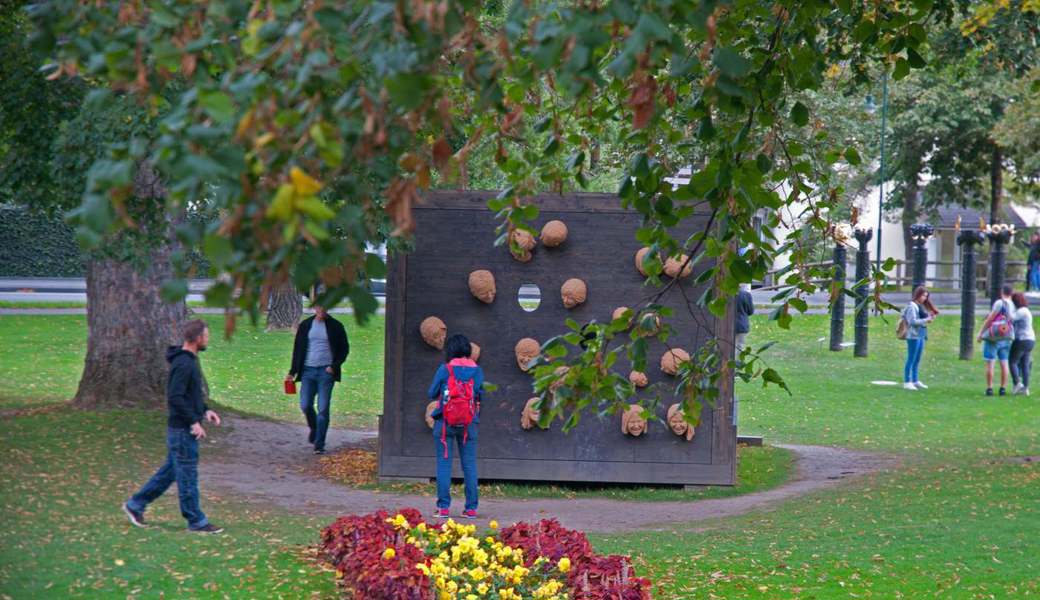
(457, 388)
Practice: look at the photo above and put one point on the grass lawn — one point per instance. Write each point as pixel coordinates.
(244, 373)
(959, 519)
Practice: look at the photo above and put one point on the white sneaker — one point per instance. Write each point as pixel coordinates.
(909, 386)
(1025, 391)
(920, 385)
(1018, 389)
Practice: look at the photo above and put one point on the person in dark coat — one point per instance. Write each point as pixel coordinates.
(320, 348)
(187, 410)
(1033, 264)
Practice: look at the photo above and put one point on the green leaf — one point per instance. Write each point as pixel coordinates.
(375, 268)
(217, 105)
(218, 249)
(407, 90)
(901, 70)
(731, 62)
(916, 60)
(800, 114)
(173, 290)
(852, 156)
(315, 208)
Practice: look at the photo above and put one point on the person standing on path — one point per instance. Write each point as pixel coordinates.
(183, 432)
(457, 387)
(320, 348)
(742, 322)
(996, 336)
(1021, 359)
(918, 314)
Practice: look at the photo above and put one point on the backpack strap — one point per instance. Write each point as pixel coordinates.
(444, 421)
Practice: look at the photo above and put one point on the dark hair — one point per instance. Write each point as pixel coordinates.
(193, 330)
(1007, 290)
(457, 346)
(1019, 300)
(927, 304)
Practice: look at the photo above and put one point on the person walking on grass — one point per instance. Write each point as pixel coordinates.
(918, 314)
(996, 336)
(187, 411)
(319, 350)
(1021, 360)
(457, 387)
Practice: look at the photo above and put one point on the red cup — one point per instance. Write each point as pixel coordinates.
(290, 385)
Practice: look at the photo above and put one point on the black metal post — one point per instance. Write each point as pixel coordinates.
(862, 290)
(838, 307)
(968, 240)
(998, 240)
(919, 234)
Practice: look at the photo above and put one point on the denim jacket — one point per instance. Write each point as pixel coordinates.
(912, 314)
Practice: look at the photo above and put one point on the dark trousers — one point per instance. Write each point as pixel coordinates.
(315, 381)
(182, 466)
(1021, 361)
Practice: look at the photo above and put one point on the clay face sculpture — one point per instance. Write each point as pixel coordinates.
(432, 406)
(573, 292)
(474, 352)
(482, 285)
(672, 359)
(529, 418)
(639, 260)
(525, 241)
(618, 313)
(554, 233)
(638, 378)
(677, 422)
(526, 349)
(632, 423)
(433, 332)
(674, 264)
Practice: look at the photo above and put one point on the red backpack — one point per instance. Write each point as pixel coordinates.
(459, 408)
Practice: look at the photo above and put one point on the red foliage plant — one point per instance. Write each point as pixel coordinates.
(355, 545)
(592, 577)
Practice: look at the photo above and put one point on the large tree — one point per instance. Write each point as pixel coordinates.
(278, 103)
(53, 148)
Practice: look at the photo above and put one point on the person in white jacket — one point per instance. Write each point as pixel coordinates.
(1021, 359)
(918, 314)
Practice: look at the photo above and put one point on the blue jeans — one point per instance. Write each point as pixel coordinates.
(1034, 277)
(182, 466)
(316, 381)
(467, 456)
(914, 350)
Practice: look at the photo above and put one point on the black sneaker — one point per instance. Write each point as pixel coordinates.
(1003, 392)
(989, 391)
(136, 518)
(207, 528)
(311, 436)
(319, 451)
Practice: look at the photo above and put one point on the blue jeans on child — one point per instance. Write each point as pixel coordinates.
(182, 466)
(316, 381)
(467, 452)
(914, 350)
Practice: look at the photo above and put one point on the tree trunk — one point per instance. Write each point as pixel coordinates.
(996, 186)
(130, 328)
(284, 308)
(910, 214)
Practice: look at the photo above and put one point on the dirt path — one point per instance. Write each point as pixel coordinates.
(262, 460)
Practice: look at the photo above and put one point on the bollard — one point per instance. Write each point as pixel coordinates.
(919, 234)
(863, 236)
(1000, 236)
(967, 239)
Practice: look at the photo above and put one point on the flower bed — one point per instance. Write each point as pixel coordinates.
(401, 557)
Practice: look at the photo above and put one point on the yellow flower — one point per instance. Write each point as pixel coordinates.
(493, 524)
(421, 527)
(477, 574)
(565, 564)
(389, 553)
(482, 589)
(471, 597)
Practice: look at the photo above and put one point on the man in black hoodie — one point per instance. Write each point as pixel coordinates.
(183, 432)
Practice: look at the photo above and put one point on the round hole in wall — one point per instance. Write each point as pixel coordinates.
(529, 297)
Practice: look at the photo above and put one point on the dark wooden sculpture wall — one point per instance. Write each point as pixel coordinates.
(454, 236)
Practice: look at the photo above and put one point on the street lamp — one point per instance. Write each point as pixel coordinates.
(871, 107)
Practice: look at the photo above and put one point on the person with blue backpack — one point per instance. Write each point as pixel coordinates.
(996, 336)
(457, 387)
